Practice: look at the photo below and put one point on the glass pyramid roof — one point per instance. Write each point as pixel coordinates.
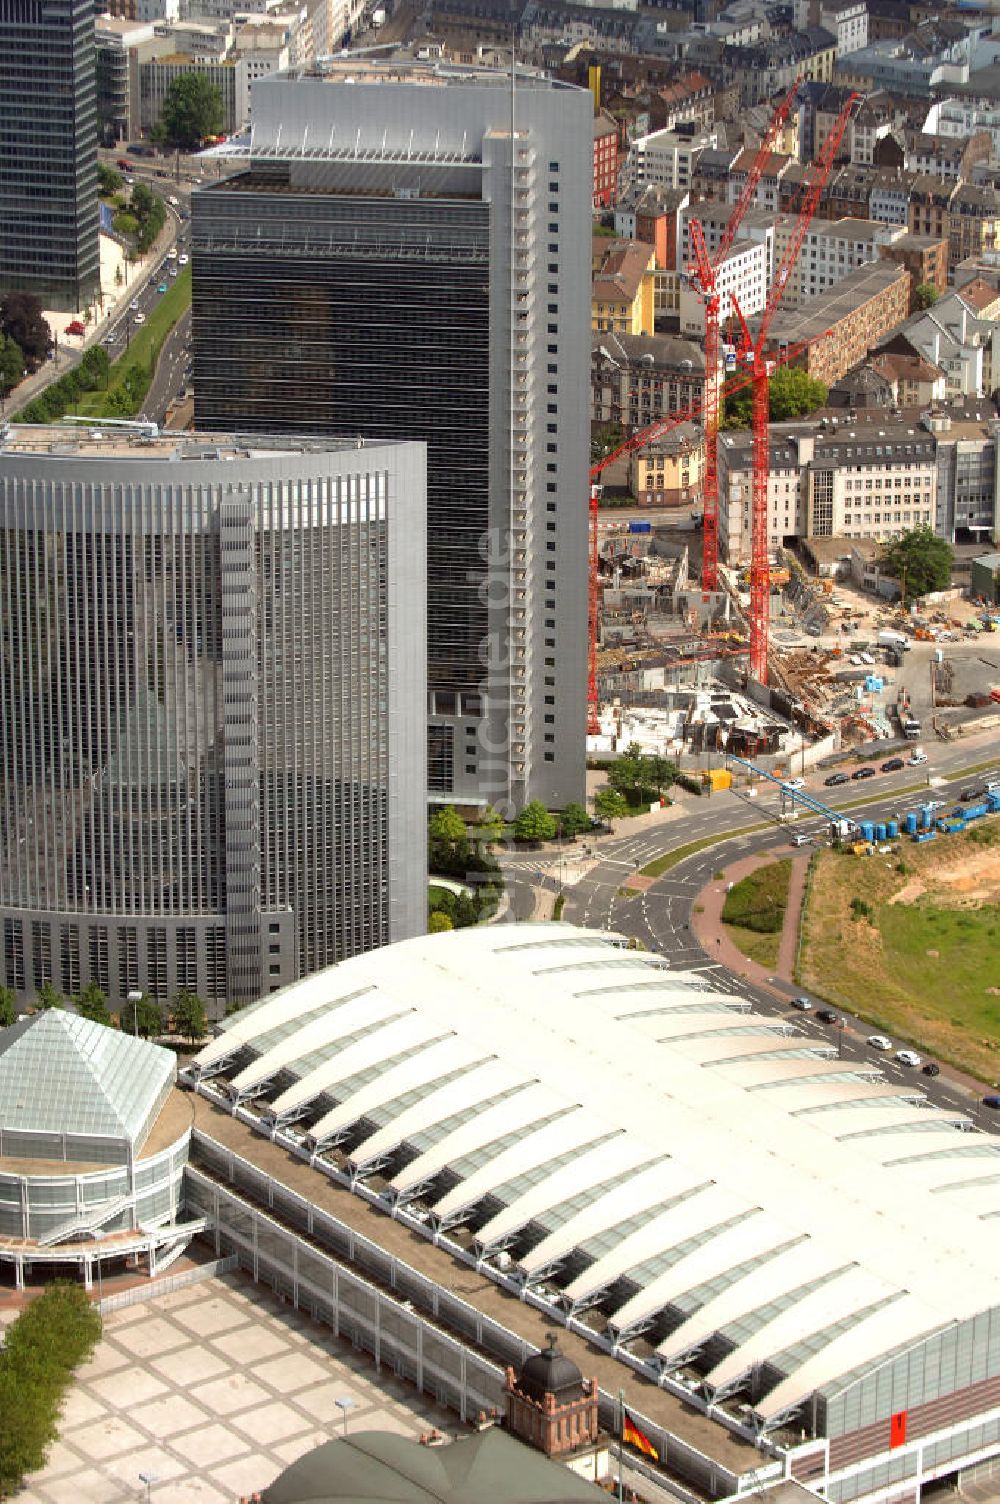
(60, 1073)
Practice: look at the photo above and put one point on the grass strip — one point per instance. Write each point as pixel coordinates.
(132, 373)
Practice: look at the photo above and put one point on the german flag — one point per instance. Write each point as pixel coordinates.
(636, 1438)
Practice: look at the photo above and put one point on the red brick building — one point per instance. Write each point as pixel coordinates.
(605, 161)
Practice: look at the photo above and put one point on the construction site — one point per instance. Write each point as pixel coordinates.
(690, 656)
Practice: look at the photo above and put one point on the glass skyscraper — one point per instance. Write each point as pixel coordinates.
(48, 151)
(407, 255)
(212, 694)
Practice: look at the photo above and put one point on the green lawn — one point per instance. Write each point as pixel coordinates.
(757, 902)
(922, 970)
(755, 946)
(132, 372)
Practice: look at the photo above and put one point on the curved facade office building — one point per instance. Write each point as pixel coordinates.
(212, 692)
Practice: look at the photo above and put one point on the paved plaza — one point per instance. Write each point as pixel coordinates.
(214, 1389)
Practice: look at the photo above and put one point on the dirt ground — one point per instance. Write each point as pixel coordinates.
(971, 880)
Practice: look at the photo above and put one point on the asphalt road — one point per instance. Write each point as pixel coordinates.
(169, 377)
(660, 917)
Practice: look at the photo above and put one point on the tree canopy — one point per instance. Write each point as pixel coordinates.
(48, 997)
(793, 394)
(534, 823)
(610, 805)
(11, 363)
(21, 319)
(8, 1008)
(190, 1018)
(446, 824)
(925, 295)
(143, 1017)
(573, 821)
(920, 561)
(439, 922)
(192, 110)
(638, 775)
(92, 1003)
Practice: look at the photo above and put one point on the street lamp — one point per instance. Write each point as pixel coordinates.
(345, 1404)
(148, 1479)
(135, 998)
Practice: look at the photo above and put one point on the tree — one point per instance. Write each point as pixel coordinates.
(190, 1018)
(11, 364)
(573, 821)
(925, 295)
(447, 825)
(659, 771)
(920, 561)
(92, 1003)
(48, 998)
(605, 439)
(793, 394)
(609, 805)
(489, 826)
(21, 319)
(8, 1008)
(108, 181)
(438, 923)
(143, 1017)
(142, 200)
(192, 110)
(534, 823)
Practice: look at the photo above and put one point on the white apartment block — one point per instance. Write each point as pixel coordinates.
(666, 157)
(847, 20)
(757, 226)
(831, 249)
(745, 273)
(875, 480)
(961, 118)
(785, 505)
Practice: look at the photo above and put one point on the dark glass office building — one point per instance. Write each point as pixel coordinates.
(48, 151)
(396, 262)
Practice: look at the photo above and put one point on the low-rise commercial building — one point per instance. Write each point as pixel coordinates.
(669, 471)
(667, 157)
(924, 257)
(830, 251)
(622, 292)
(846, 322)
(605, 161)
(635, 380)
(870, 475)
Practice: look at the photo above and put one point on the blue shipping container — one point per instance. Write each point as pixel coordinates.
(975, 811)
(868, 830)
(925, 835)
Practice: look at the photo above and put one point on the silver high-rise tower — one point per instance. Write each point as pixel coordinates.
(407, 254)
(211, 709)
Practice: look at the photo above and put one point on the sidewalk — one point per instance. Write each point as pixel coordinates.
(714, 939)
(114, 301)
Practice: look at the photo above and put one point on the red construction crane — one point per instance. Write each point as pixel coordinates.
(751, 352)
(639, 441)
(702, 271)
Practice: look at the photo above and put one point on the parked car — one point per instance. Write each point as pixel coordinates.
(879, 1042)
(827, 1016)
(991, 1101)
(932, 1069)
(182, 259)
(800, 838)
(863, 773)
(967, 795)
(76, 327)
(134, 305)
(893, 765)
(793, 783)
(835, 780)
(908, 1057)
(803, 1004)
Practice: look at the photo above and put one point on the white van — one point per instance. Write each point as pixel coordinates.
(916, 757)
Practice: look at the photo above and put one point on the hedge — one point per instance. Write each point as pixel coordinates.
(50, 1338)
